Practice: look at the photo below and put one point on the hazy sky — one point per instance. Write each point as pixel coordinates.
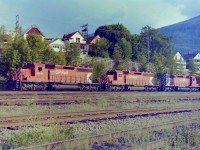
(56, 17)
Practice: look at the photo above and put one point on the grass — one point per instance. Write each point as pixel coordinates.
(42, 134)
(30, 108)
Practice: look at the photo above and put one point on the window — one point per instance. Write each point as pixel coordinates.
(119, 75)
(84, 53)
(77, 40)
(83, 47)
(39, 69)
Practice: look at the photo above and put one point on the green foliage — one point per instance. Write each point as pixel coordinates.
(101, 48)
(117, 57)
(37, 45)
(170, 63)
(72, 52)
(116, 34)
(2, 83)
(52, 57)
(10, 60)
(158, 61)
(192, 67)
(33, 49)
(98, 70)
(39, 135)
(126, 48)
(113, 32)
(21, 45)
(36, 42)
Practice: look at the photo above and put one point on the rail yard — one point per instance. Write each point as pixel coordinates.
(99, 120)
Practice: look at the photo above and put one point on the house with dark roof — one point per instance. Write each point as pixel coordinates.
(32, 30)
(77, 38)
(91, 41)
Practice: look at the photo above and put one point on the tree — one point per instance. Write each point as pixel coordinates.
(72, 53)
(101, 48)
(126, 48)
(37, 45)
(158, 61)
(60, 58)
(99, 69)
(14, 55)
(24, 51)
(113, 32)
(117, 57)
(192, 67)
(52, 57)
(9, 62)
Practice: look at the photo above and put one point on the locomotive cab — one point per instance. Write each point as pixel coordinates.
(115, 77)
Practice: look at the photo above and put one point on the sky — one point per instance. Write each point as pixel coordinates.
(57, 17)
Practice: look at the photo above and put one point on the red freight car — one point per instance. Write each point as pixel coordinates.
(34, 76)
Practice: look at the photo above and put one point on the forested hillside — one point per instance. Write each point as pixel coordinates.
(186, 35)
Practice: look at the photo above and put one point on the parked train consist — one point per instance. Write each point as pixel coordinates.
(36, 76)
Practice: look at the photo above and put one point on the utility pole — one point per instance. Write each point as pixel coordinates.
(148, 48)
(85, 30)
(17, 24)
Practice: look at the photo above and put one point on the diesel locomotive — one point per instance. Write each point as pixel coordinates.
(37, 76)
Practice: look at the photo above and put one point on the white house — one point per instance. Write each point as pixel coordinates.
(181, 63)
(195, 57)
(77, 38)
(57, 45)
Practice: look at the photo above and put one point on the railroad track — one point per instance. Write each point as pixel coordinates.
(115, 135)
(59, 118)
(46, 98)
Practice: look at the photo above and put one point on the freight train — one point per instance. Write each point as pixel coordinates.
(37, 76)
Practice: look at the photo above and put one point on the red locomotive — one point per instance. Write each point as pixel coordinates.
(177, 82)
(123, 80)
(36, 76)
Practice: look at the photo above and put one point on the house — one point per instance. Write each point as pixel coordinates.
(32, 30)
(195, 57)
(77, 38)
(57, 45)
(181, 63)
(91, 42)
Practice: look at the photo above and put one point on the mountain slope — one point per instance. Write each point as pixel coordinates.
(186, 35)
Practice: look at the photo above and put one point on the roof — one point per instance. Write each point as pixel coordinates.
(90, 39)
(69, 36)
(57, 41)
(33, 30)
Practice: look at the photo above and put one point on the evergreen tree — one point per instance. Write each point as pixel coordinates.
(126, 48)
(192, 67)
(72, 52)
(99, 69)
(117, 57)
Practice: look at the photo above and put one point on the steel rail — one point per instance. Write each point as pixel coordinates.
(18, 121)
(114, 135)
